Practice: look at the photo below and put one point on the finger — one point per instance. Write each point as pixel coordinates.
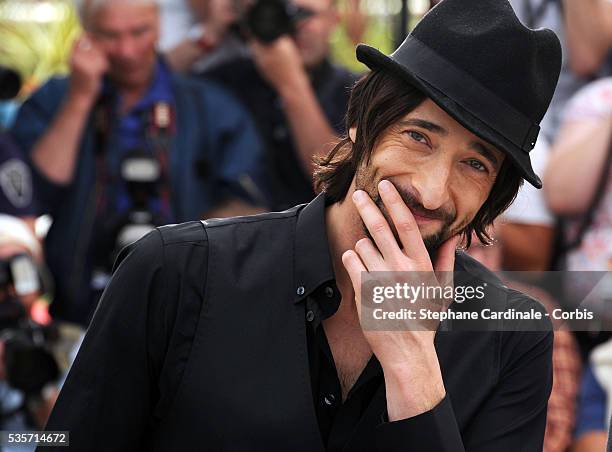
(84, 43)
(404, 222)
(369, 255)
(377, 225)
(354, 268)
(445, 261)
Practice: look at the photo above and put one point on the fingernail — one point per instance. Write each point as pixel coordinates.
(384, 186)
(358, 195)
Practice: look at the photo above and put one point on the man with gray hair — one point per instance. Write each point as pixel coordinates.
(124, 145)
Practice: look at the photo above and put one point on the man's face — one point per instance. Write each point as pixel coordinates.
(127, 33)
(312, 37)
(443, 172)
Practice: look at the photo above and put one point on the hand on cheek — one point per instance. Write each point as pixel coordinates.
(407, 355)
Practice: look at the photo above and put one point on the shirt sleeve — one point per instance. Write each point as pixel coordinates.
(243, 165)
(242, 168)
(592, 102)
(109, 394)
(33, 118)
(512, 418)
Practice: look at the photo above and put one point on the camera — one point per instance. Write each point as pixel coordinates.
(267, 20)
(28, 360)
(10, 83)
(141, 174)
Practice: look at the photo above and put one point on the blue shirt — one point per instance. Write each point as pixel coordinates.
(130, 133)
(591, 415)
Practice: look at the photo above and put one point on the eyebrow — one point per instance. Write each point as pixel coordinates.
(427, 125)
(486, 153)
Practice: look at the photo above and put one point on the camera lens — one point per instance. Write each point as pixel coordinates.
(10, 83)
(269, 19)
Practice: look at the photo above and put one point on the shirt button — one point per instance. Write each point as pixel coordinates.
(329, 292)
(329, 399)
(300, 290)
(310, 316)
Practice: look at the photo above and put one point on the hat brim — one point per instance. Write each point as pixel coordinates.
(376, 60)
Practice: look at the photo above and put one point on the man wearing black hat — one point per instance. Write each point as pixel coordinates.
(246, 334)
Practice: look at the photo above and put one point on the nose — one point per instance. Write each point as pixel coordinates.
(432, 184)
(125, 49)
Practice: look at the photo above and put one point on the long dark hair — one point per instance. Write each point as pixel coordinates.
(378, 100)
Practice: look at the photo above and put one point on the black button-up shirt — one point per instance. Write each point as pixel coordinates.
(209, 337)
(337, 419)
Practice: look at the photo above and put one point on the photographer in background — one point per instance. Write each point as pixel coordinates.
(297, 97)
(578, 188)
(124, 145)
(29, 372)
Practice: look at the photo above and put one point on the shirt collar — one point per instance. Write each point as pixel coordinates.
(160, 88)
(313, 264)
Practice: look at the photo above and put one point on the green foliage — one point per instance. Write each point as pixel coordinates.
(36, 38)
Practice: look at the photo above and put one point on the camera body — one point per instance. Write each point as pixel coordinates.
(141, 174)
(267, 20)
(28, 360)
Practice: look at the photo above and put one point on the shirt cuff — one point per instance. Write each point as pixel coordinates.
(434, 430)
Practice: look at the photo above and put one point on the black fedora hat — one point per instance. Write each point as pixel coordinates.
(488, 71)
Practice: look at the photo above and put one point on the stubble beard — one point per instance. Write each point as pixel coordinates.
(432, 241)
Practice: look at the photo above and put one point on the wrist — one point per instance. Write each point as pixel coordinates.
(294, 85)
(80, 102)
(413, 390)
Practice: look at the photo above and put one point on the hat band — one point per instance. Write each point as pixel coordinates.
(468, 92)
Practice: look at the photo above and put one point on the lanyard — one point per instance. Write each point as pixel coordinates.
(159, 130)
(159, 133)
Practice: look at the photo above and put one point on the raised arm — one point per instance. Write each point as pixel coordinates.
(55, 154)
(281, 65)
(576, 164)
(588, 26)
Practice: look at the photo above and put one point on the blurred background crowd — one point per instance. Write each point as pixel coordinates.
(117, 116)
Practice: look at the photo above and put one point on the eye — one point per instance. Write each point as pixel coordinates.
(477, 165)
(139, 31)
(416, 136)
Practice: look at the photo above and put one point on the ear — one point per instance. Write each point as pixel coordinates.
(353, 134)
